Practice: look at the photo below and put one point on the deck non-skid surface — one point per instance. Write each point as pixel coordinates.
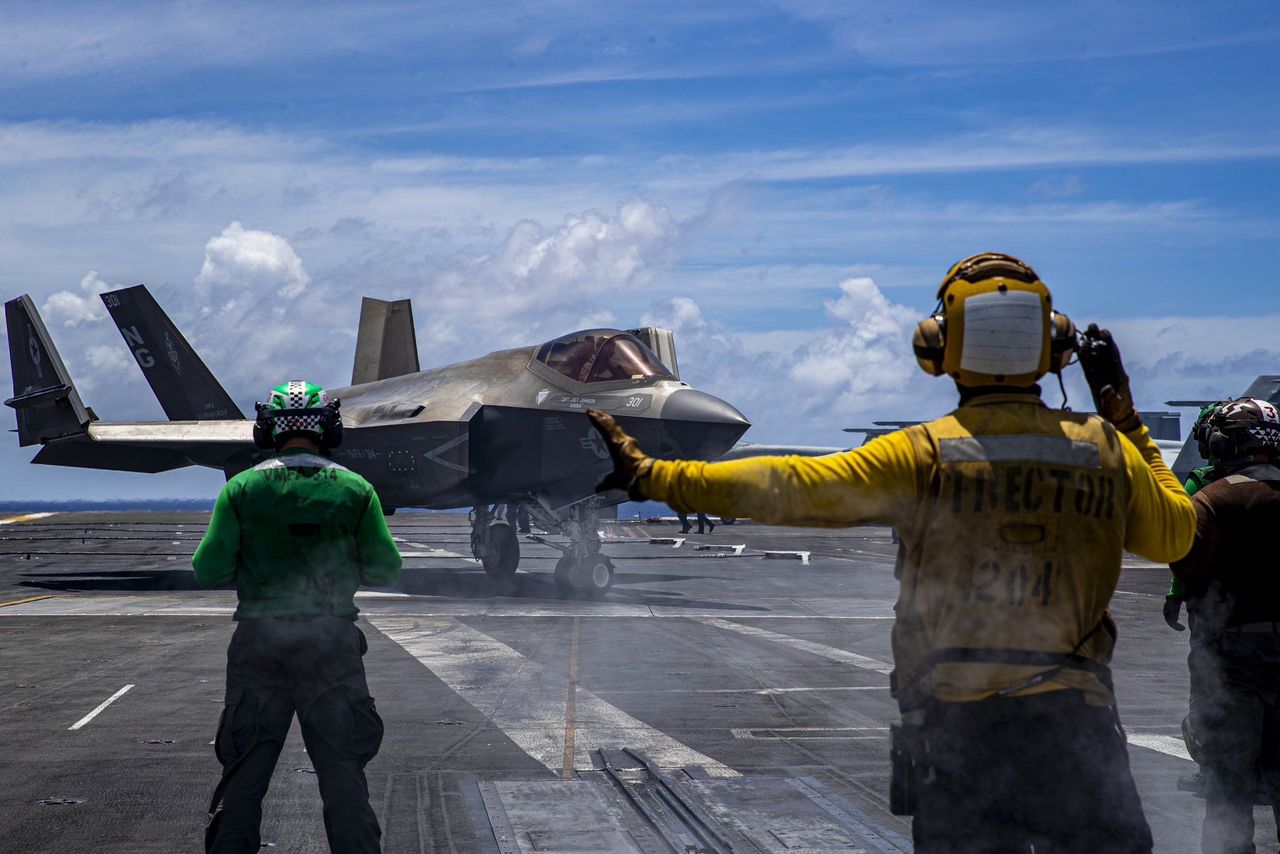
(755, 674)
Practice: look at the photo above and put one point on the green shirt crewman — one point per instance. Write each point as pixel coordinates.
(297, 534)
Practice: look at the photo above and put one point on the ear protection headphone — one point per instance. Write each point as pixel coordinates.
(330, 423)
(930, 339)
(1221, 446)
(1232, 431)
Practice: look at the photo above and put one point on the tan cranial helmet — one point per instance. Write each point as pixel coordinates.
(994, 325)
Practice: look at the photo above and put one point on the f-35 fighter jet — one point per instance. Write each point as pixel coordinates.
(505, 428)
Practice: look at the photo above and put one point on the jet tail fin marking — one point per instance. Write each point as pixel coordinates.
(1265, 387)
(663, 344)
(184, 385)
(386, 345)
(44, 397)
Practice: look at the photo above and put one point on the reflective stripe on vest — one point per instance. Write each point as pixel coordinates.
(1007, 449)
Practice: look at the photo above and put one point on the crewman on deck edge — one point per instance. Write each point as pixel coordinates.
(1013, 519)
(297, 534)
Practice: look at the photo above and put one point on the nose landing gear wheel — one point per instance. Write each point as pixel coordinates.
(501, 555)
(589, 576)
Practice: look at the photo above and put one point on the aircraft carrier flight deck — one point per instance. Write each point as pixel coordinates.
(730, 692)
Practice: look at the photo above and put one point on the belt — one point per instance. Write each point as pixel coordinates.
(1256, 628)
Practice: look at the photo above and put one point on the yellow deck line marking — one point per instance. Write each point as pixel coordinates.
(567, 771)
(30, 517)
(28, 599)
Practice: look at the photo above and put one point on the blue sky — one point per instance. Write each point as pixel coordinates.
(783, 182)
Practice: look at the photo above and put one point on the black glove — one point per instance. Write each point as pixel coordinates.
(1172, 608)
(629, 462)
(1100, 359)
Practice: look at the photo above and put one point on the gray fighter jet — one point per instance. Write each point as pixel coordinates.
(502, 429)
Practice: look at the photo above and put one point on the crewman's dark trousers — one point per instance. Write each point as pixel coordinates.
(1238, 727)
(311, 666)
(1006, 774)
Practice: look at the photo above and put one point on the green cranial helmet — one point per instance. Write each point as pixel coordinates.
(1200, 430)
(299, 408)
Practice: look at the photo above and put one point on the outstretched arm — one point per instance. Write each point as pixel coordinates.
(875, 483)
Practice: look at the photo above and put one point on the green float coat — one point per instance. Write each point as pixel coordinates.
(297, 534)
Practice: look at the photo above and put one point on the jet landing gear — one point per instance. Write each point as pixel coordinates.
(586, 576)
(494, 542)
(582, 571)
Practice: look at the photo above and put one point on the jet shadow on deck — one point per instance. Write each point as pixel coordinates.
(413, 581)
(131, 581)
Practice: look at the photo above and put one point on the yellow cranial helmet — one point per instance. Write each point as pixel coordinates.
(994, 325)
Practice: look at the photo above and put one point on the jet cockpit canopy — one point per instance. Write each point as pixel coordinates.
(601, 356)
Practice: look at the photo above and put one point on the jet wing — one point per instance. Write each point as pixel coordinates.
(151, 446)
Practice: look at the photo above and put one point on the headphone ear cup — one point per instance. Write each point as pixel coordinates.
(262, 437)
(930, 344)
(1221, 446)
(1062, 341)
(332, 436)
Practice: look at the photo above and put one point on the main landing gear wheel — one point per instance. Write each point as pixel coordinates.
(589, 576)
(501, 553)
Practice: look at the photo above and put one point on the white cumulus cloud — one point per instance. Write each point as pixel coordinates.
(72, 309)
(242, 259)
(803, 386)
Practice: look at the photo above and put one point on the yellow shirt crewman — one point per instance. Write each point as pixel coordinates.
(1013, 518)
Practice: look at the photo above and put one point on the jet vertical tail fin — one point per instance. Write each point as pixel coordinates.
(386, 345)
(184, 385)
(663, 344)
(47, 403)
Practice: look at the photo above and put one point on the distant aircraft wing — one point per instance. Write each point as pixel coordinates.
(743, 450)
(184, 385)
(386, 344)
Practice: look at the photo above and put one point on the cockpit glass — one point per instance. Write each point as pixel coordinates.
(602, 356)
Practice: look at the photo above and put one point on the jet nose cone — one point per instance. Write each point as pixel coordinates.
(701, 425)
(700, 407)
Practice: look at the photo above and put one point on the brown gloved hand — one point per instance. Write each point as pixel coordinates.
(1100, 359)
(630, 464)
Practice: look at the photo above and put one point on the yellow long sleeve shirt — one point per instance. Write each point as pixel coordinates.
(1013, 518)
(885, 480)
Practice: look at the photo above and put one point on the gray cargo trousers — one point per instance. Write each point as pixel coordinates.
(311, 666)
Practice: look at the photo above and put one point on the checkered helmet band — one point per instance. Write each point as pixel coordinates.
(295, 395)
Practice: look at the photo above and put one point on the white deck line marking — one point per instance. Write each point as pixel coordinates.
(424, 550)
(84, 720)
(1171, 745)
(30, 517)
(828, 652)
(527, 701)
